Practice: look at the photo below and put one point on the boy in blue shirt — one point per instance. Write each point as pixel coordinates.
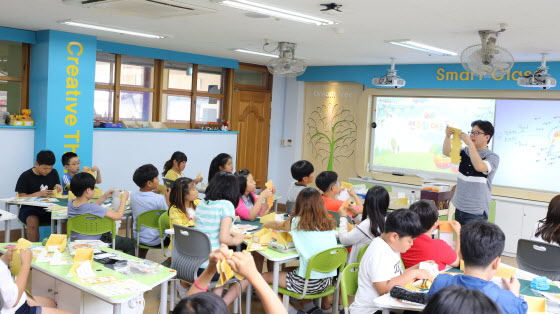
(83, 185)
(71, 163)
(482, 244)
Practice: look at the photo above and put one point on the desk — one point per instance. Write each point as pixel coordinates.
(6, 217)
(387, 303)
(73, 296)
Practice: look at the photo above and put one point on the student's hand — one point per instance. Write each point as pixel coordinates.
(423, 274)
(243, 264)
(167, 192)
(197, 180)
(86, 169)
(342, 211)
(352, 192)
(456, 226)
(417, 266)
(217, 255)
(448, 131)
(465, 138)
(124, 196)
(266, 193)
(512, 285)
(108, 193)
(351, 209)
(238, 237)
(44, 193)
(26, 257)
(58, 187)
(94, 168)
(7, 257)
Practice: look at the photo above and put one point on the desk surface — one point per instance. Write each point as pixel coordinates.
(61, 272)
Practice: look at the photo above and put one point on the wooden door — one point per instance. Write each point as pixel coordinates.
(250, 116)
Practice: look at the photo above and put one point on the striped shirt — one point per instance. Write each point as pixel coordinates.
(209, 215)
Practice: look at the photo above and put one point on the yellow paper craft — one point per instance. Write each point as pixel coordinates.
(346, 185)
(263, 236)
(267, 218)
(56, 240)
(15, 263)
(345, 203)
(462, 265)
(92, 173)
(505, 272)
(349, 226)
(445, 227)
(199, 175)
(284, 238)
(97, 193)
(56, 194)
(535, 304)
(270, 200)
(71, 195)
(82, 255)
(455, 153)
(225, 271)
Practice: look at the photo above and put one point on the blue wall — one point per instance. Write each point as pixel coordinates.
(425, 76)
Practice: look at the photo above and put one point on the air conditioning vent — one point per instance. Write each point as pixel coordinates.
(155, 9)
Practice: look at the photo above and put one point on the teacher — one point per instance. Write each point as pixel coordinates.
(476, 170)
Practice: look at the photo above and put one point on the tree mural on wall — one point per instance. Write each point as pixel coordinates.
(331, 129)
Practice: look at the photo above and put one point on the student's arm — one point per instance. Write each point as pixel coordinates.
(21, 279)
(359, 206)
(447, 142)
(226, 236)
(8, 289)
(278, 225)
(407, 276)
(346, 237)
(512, 285)
(117, 215)
(203, 281)
(96, 169)
(259, 203)
(244, 264)
(167, 191)
(104, 197)
(44, 193)
(456, 226)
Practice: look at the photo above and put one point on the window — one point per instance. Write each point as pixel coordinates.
(180, 94)
(13, 76)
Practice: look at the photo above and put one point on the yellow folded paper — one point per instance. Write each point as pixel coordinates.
(270, 200)
(56, 194)
(82, 255)
(71, 195)
(284, 238)
(505, 272)
(267, 218)
(535, 304)
(455, 153)
(225, 271)
(462, 265)
(199, 175)
(97, 193)
(58, 241)
(346, 185)
(349, 226)
(94, 174)
(263, 236)
(15, 263)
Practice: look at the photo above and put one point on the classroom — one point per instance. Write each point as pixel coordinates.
(368, 94)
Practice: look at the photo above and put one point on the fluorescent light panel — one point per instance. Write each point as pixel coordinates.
(422, 47)
(110, 29)
(276, 12)
(256, 53)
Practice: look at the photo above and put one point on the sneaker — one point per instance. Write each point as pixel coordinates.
(166, 263)
(181, 290)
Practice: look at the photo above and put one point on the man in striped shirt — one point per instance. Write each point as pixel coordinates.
(476, 170)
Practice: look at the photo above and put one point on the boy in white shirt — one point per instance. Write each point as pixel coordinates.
(13, 298)
(302, 172)
(381, 268)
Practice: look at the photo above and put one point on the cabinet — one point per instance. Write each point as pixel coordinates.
(67, 297)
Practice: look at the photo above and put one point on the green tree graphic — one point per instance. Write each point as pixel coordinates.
(331, 130)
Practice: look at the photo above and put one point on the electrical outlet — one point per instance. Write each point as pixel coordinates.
(282, 142)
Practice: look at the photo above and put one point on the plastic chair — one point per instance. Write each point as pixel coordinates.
(539, 258)
(335, 216)
(324, 262)
(92, 225)
(361, 253)
(150, 219)
(290, 207)
(163, 224)
(348, 284)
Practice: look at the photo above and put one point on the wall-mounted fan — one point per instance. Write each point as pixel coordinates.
(487, 59)
(286, 64)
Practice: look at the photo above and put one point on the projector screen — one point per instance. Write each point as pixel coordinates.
(410, 132)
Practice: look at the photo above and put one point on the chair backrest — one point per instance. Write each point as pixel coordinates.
(190, 249)
(325, 262)
(149, 219)
(349, 282)
(290, 207)
(91, 225)
(539, 258)
(335, 216)
(168, 183)
(163, 223)
(361, 253)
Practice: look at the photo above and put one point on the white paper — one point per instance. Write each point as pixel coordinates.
(84, 270)
(43, 257)
(343, 195)
(52, 248)
(401, 195)
(498, 281)
(57, 258)
(431, 268)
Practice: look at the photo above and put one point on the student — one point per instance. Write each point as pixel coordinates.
(476, 171)
(38, 181)
(456, 298)
(313, 232)
(173, 168)
(200, 301)
(327, 181)
(372, 225)
(424, 246)
(222, 162)
(214, 216)
(71, 163)
(302, 172)
(482, 244)
(82, 186)
(145, 200)
(380, 268)
(250, 206)
(13, 297)
(548, 229)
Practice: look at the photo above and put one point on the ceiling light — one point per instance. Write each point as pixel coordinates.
(110, 29)
(256, 53)
(422, 47)
(274, 11)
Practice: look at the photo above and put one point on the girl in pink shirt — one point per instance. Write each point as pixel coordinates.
(250, 206)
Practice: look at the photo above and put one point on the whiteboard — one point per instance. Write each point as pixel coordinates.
(527, 139)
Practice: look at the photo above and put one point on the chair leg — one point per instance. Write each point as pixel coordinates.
(172, 294)
(286, 301)
(137, 249)
(236, 305)
(346, 310)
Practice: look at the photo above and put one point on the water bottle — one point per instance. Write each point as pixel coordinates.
(116, 199)
(411, 198)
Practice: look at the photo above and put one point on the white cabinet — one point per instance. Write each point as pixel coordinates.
(67, 297)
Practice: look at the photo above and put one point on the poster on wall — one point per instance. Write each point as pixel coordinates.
(331, 126)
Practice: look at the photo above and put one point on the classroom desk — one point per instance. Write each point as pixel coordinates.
(74, 296)
(6, 217)
(388, 303)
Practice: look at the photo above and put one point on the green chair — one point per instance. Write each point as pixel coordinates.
(150, 219)
(323, 262)
(349, 283)
(492, 217)
(361, 253)
(92, 225)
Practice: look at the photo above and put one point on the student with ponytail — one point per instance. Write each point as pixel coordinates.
(222, 162)
(173, 168)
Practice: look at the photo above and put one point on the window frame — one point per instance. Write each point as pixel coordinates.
(23, 80)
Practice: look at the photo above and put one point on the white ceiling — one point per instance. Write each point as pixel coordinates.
(366, 24)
